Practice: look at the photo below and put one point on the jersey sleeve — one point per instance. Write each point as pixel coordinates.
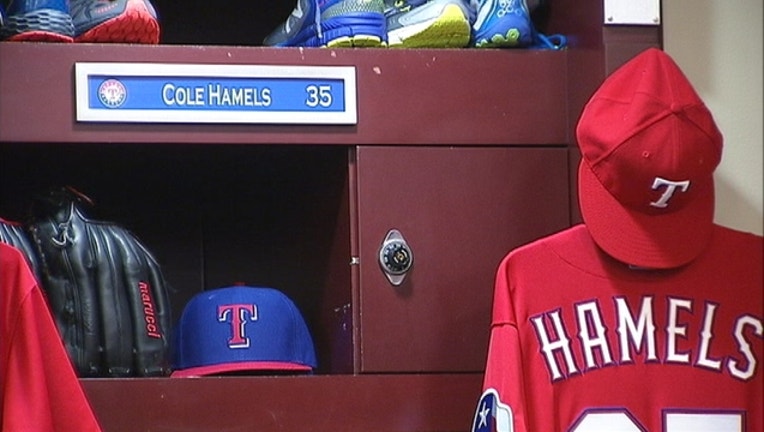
(40, 390)
(501, 407)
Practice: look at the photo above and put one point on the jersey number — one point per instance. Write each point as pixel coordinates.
(623, 421)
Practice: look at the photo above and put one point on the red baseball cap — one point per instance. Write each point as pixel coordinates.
(649, 148)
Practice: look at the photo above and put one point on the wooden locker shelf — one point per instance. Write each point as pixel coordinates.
(402, 96)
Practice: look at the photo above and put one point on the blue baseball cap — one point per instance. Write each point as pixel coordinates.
(241, 328)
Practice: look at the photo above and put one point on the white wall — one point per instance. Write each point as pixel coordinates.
(718, 45)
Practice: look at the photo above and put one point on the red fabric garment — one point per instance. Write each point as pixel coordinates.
(39, 391)
(581, 342)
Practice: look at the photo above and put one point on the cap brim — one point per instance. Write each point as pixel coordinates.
(646, 240)
(259, 366)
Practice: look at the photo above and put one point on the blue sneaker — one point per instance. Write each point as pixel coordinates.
(428, 23)
(502, 24)
(332, 23)
(38, 20)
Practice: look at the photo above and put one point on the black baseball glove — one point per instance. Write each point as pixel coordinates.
(106, 290)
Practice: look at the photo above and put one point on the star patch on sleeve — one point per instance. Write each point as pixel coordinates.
(491, 414)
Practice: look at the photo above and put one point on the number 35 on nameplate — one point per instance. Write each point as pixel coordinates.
(207, 93)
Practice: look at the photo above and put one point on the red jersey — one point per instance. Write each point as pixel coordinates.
(580, 342)
(39, 391)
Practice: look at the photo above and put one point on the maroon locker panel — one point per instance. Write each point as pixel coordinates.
(395, 88)
(339, 403)
(460, 210)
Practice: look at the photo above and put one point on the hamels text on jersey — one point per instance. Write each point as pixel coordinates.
(649, 329)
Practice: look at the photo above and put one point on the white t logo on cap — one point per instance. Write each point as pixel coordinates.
(671, 187)
(237, 315)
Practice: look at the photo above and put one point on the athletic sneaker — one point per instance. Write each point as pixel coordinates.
(332, 23)
(119, 21)
(502, 23)
(38, 20)
(428, 23)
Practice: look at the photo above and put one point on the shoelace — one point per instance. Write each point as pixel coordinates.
(553, 41)
(319, 31)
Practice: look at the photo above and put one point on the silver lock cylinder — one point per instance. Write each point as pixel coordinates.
(395, 257)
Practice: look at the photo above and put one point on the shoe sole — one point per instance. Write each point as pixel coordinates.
(450, 29)
(510, 39)
(135, 25)
(358, 41)
(42, 25)
(40, 36)
(364, 30)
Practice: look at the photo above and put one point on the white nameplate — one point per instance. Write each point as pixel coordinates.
(206, 93)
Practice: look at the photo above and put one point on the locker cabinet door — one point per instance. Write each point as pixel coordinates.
(459, 211)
